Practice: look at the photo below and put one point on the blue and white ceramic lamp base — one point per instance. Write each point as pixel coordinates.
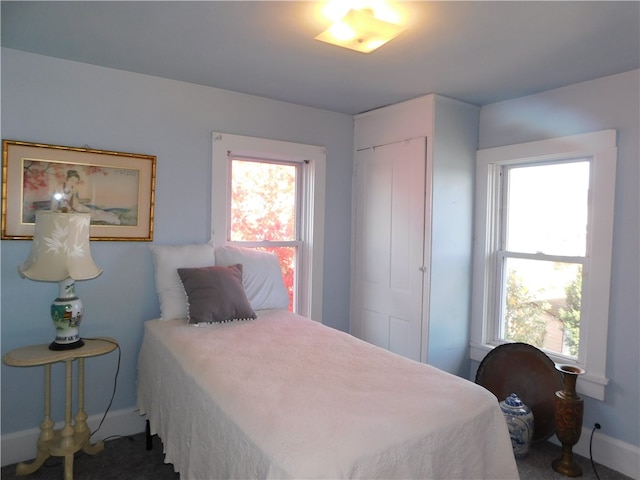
(66, 313)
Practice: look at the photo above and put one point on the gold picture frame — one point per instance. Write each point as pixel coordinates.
(118, 189)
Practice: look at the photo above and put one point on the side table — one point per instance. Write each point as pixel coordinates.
(73, 436)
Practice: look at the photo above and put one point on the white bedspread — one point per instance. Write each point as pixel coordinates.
(286, 397)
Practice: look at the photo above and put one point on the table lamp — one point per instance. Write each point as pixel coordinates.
(60, 253)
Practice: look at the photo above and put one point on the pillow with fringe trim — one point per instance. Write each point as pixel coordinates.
(215, 294)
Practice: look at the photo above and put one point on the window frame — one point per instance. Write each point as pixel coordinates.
(600, 149)
(309, 276)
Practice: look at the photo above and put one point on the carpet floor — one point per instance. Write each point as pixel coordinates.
(126, 458)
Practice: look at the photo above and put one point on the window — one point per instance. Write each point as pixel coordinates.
(542, 259)
(540, 252)
(269, 194)
(264, 212)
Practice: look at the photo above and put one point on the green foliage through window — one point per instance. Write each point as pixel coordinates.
(571, 315)
(530, 316)
(524, 320)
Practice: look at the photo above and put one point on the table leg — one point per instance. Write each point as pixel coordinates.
(46, 431)
(67, 433)
(81, 416)
(68, 466)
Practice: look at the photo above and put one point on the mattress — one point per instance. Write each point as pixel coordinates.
(284, 397)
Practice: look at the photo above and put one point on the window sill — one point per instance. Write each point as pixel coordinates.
(589, 385)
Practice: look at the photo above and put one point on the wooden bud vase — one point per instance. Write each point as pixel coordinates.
(568, 409)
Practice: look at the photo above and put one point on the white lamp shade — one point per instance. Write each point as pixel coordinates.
(60, 248)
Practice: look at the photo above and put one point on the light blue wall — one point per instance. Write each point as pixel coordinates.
(607, 103)
(454, 142)
(59, 102)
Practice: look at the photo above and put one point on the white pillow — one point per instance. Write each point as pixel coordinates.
(167, 260)
(261, 275)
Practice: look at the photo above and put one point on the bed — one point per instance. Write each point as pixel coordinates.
(277, 395)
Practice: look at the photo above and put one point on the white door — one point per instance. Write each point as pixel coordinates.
(389, 246)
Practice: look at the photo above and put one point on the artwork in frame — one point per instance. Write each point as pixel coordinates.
(117, 189)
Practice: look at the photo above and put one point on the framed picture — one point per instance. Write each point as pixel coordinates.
(117, 189)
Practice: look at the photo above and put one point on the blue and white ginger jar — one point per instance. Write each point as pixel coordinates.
(520, 422)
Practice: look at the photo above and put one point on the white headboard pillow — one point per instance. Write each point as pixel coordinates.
(261, 275)
(167, 260)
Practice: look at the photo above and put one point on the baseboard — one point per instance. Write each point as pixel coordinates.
(21, 446)
(608, 451)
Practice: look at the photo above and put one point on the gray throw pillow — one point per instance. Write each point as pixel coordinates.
(215, 294)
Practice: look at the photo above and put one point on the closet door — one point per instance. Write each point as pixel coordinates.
(389, 246)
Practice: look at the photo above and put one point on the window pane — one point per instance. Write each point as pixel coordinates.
(541, 305)
(263, 201)
(547, 209)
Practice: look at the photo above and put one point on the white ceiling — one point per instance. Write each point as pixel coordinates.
(479, 52)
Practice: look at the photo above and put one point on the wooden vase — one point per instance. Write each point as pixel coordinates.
(569, 408)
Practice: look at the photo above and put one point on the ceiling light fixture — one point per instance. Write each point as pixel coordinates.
(360, 30)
